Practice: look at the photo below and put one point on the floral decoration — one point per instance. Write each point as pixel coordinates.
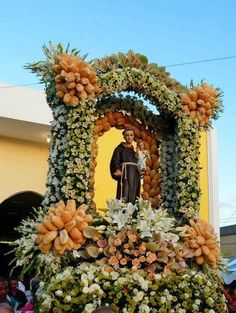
(75, 79)
(153, 256)
(201, 238)
(62, 229)
(202, 102)
(86, 287)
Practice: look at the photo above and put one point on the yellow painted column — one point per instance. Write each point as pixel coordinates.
(204, 179)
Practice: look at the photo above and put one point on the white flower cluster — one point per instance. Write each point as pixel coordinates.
(143, 217)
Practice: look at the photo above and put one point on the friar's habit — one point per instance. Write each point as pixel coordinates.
(128, 186)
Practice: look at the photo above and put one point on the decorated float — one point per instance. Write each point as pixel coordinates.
(156, 255)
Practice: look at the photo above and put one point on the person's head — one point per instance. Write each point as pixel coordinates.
(3, 288)
(13, 283)
(5, 308)
(140, 145)
(103, 309)
(128, 135)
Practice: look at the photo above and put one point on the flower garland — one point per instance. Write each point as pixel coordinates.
(144, 84)
(78, 154)
(168, 161)
(188, 168)
(158, 124)
(58, 146)
(138, 61)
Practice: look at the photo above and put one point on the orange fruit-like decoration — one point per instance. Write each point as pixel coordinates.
(202, 240)
(75, 79)
(199, 102)
(62, 228)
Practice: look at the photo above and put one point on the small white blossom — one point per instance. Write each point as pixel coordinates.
(58, 293)
(139, 296)
(67, 298)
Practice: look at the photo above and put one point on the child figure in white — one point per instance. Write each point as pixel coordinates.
(142, 156)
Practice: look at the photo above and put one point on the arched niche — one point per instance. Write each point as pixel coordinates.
(71, 157)
(121, 120)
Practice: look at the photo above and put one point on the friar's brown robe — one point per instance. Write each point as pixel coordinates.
(128, 186)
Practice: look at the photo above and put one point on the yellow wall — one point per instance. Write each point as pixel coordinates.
(204, 204)
(105, 186)
(23, 167)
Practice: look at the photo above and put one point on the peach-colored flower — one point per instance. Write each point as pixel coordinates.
(133, 237)
(117, 242)
(150, 276)
(135, 252)
(167, 270)
(102, 243)
(119, 256)
(123, 261)
(142, 258)
(134, 268)
(151, 257)
(112, 249)
(135, 262)
(113, 261)
(143, 247)
(121, 235)
(108, 269)
(153, 267)
(126, 246)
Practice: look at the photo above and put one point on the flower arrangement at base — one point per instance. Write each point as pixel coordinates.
(86, 287)
(134, 258)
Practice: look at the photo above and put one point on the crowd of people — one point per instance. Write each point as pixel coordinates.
(15, 296)
(230, 294)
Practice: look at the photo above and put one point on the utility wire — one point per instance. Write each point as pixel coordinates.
(201, 61)
(169, 65)
(20, 85)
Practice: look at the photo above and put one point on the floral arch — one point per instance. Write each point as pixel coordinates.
(155, 256)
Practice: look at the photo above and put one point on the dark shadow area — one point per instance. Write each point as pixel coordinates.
(12, 211)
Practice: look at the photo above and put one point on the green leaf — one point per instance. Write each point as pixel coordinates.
(143, 59)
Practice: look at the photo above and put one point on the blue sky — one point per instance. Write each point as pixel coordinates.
(167, 32)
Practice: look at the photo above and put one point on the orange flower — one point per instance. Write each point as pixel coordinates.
(151, 257)
(135, 262)
(119, 256)
(142, 258)
(117, 242)
(121, 235)
(126, 246)
(112, 250)
(108, 269)
(150, 276)
(143, 247)
(113, 261)
(123, 261)
(133, 237)
(167, 270)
